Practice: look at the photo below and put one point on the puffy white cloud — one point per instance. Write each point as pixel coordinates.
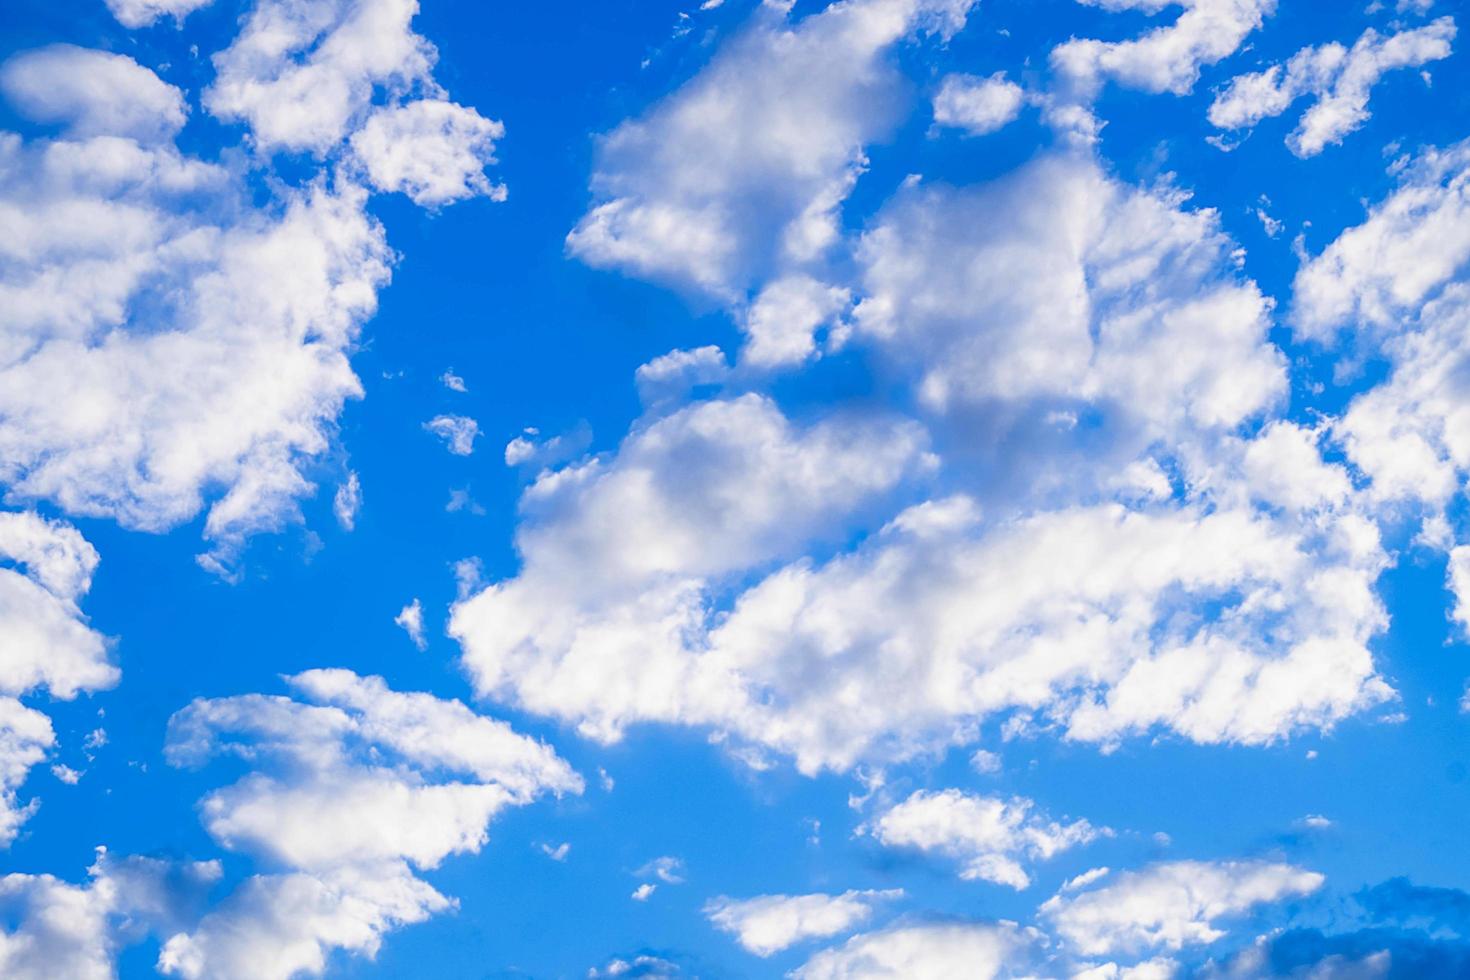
(141, 13)
(54, 928)
(432, 150)
(972, 950)
(45, 644)
(977, 105)
(302, 75)
(1284, 466)
(92, 93)
(1171, 905)
(739, 173)
(1057, 294)
(1075, 616)
(620, 556)
(1166, 59)
(991, 837)
(278, 927)
(182, 376)
(349, 791)
(411, 619)
(1395, 284)
(1411, 245)
(767, 924)
(781, 325)
(457, 431)
(670, 377)
(1341, 80)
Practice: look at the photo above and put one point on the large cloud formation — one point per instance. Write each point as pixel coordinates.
(132, 274)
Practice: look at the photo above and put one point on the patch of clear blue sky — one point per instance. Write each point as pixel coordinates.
(541, 340)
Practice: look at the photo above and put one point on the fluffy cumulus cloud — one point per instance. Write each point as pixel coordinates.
(1171, 905)
(1188, 579)
(1339, 80)
(302, 76)
(973, 950)
(458, 432)
(352, 788)
(977, 105)
(768, 924)
(224, 387)
(45, 645)
(1167, 58)
(740, 172)
(432, 150)
(54, 928)
(130, 275)
(990, 837)
(1374, 275)
(92, 93)
(621, 555)
(1395, 285)
(1058, 292)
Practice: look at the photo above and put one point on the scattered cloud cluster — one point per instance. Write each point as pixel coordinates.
(132, 273)
(351, 788)
(45, 645)
(990, 837)
(740, 172)
(1340, 80)
(1167, 58)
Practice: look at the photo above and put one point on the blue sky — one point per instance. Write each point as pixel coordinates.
(906, 488)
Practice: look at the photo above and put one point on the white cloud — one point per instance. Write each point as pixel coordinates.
(302, 75)
(457, 431)
(977, 105)
(347, 501)
(1068, 626)
(1051, 324)
(1057, 290)
(619, 552)
(670, 377)
(453, 381)
(141, 364)
(989, 836)
(1084, 879)
(1411, 245)
(1339, 78)
(432, 150)
(348, 791)
(45, 644)
(92, 93)
(56, 929)
(767, 924)
(1284, 466)
(740, 171)
(974, 951)
(531, 450)
(411, 619)
(644, 891)
(1171, 905)
(1166, 59)
(781, 325)
(283, 926)
(141, 13)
